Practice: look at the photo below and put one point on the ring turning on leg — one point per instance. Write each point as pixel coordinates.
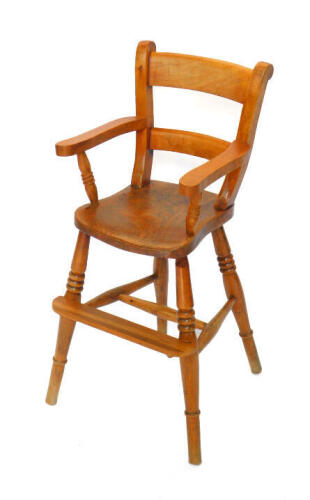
(66, 326)
(189, 364)
(233, 288)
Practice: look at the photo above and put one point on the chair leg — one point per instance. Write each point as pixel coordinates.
(66, 326)
(189, 364)
(161, 288)
(233, 288)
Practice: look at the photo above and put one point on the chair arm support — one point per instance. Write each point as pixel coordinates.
(197, 179)
(82, 142)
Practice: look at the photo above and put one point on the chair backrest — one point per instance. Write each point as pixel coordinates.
(238, 83)
(199, 73)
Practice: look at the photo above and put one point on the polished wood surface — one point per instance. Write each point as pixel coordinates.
(165, 220)
(224, 163)
(144, 107)
(191, 143)
(113, 295)
(200, 73)
(120, 327)
(88, 178)
(246, 131)
(75, 285)
(161, 289)
(189, 364)
(92, 138)
(233, 288)
(212, 327)
(150, 220)
(159, 310)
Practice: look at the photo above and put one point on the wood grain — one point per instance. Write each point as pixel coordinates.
(164, 312)
(165, 220)
(189, 364)
(233, 288)
(112, 295)
(200, 73)
(204, 175)
(144, 107)
(150, 220)
(92, 138)
(191, 143)
(66, 326)
(88, 178)
(161, 289)
(213, 326)
(121, 327)
(246, 131)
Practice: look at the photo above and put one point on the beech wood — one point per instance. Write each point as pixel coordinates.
(191, 143)
(196, 180)
(66, 326)
(150, 220)
(246, 131)
(88, 178)
(233, 288)
(112, 295)
(211, 328)
(200, 73)
(201, 177)
(190, 364)
(121, 327)
(193, 212)
(165, 220)
(144, 107)
(161, 289)
(92, 138)
(159, 310)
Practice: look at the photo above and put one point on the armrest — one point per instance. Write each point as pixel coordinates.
(197, 179)
(82, 142)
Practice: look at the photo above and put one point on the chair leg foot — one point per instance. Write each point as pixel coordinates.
(65, 332)
(66, 326)
(161, 288)
(189, 364)
(190, 379)
(233, 288)
(251, 352)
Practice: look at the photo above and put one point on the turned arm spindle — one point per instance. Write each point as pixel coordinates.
(193, 212)
(88, 178)
(194, 182)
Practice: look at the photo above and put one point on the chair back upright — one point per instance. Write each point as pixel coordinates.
(231, 81)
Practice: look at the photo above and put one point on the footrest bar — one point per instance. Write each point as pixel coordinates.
(122, 328)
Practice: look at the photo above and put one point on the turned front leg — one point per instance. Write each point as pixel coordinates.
(66, 327)
(233, 288)
(189, 364)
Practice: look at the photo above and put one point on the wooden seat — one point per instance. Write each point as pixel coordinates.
(165, 220)
(150, 220)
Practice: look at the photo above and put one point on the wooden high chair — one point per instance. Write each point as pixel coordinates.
(165, 220)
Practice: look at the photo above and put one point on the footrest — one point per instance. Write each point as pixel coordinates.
(121, 328)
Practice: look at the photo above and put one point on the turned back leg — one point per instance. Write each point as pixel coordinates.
(161, 288)
(189, 364)
(233, 288)
(66, 326)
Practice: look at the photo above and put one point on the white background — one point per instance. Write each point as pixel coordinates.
(118, 431)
